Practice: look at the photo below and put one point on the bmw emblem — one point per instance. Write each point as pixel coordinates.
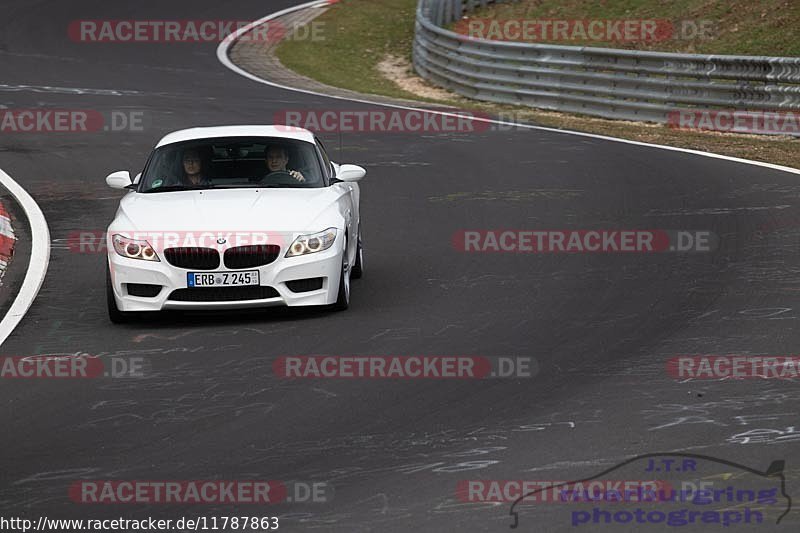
(221, 240)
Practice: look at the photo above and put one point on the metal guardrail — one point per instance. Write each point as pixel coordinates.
(605, 82)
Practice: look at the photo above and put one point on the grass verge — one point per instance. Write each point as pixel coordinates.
(738, 27)
(357, 36)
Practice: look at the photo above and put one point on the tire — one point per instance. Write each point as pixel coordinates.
(358, 267)
(114, 314)
(343, 295)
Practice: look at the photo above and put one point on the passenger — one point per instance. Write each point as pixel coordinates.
(193, 173)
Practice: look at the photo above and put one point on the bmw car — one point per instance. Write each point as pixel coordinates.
(234, 217)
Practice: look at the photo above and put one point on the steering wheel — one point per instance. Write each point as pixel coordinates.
(279, 174)
(279, 177)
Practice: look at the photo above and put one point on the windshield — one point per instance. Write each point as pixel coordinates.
(232, 163)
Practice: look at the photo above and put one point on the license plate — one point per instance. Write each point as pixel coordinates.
(222, 279)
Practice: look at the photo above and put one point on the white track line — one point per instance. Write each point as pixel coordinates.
(40, 257)
(222, 55)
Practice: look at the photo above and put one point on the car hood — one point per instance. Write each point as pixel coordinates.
(277, 210)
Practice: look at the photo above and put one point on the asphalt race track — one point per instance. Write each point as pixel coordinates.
(600, 326)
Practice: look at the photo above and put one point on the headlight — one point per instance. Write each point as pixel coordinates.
(133, 249)
(309, 244)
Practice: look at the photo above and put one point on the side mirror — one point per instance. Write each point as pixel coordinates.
(350, 173)
(119, 180)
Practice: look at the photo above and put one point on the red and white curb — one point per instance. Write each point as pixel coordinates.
(39, 260)
(7, 239)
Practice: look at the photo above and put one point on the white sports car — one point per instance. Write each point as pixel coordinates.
(234, 217)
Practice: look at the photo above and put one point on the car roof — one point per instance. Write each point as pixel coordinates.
(285, 132)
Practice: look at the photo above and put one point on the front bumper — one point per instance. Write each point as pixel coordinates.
(326, 265)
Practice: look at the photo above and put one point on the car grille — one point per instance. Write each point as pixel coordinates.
(143, 290)
(251, 256)
(194, 258)
(223, 294)
(304, 285)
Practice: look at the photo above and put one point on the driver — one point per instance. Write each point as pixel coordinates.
(276, 159)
